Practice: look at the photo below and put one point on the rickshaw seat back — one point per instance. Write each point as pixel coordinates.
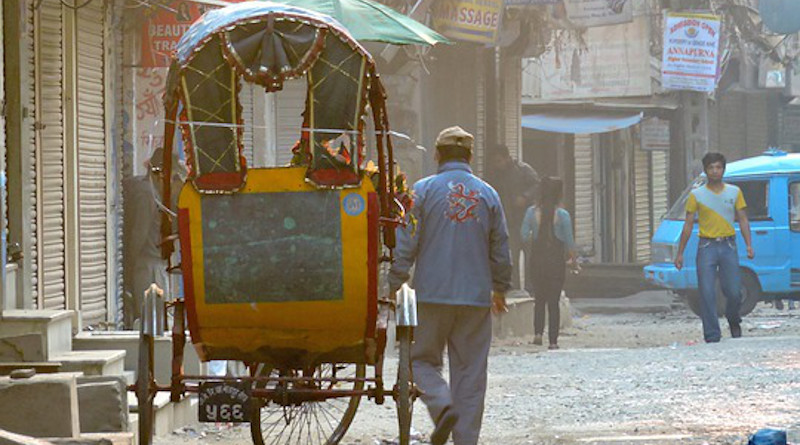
(280, 271)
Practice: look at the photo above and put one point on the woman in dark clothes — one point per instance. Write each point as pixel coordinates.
(547, 231)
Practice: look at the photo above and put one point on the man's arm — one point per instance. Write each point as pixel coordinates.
(499, 259)
(405, 252)
(744, 225)
(685, 234)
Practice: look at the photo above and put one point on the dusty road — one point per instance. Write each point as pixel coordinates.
(619, 379)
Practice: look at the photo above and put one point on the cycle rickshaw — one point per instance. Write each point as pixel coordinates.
(280, 266)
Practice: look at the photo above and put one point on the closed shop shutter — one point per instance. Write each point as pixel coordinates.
(479, 156)
(29, 149)
(641, 214)
(660, 180)
(512, 108)
(50, 152)
(291, 102)
(584, 193)
(92, 163)
(246, 100)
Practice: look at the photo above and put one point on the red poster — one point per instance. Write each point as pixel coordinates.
(165, 26)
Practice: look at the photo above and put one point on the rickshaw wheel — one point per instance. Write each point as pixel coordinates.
(144, 394)
(322, 422)
(405, 384)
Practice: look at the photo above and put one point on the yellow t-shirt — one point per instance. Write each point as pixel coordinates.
(716, 212)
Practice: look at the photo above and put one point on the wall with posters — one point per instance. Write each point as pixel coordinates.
(615, 62)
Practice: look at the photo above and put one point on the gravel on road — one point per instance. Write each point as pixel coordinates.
(618, 379)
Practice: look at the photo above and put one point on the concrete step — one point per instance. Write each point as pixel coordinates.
(169, 416)
(98, 362)
(35, 336)
(130, 376)
(129, 342)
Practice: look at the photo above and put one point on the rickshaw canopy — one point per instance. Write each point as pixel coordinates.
(267, 43)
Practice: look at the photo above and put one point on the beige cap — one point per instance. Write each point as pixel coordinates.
(455, 137)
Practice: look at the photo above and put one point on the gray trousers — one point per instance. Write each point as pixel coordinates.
(467, 333)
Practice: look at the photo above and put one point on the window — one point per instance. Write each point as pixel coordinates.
(794, 206)
(756, 195)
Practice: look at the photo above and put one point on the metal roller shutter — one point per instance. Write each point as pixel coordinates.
(660, 180)
(641, 212)
(291, 102)
(584, 193)
(512, 106)
(29, 147)
(92, 163)
(50, 152)
(479, 155)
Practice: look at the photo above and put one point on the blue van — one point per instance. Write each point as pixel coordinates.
(771, 186)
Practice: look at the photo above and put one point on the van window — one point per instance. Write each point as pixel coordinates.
(794, 206)
(756, 195)
(678, 210)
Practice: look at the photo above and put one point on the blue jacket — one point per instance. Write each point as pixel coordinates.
(459, 242)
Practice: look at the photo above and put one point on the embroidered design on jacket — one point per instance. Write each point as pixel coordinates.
(462, 203)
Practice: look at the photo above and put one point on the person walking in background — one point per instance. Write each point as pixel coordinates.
(547, 231)
(717, 204)
(517, 184)
(457, 240)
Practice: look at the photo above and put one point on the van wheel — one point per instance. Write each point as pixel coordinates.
(751, 295)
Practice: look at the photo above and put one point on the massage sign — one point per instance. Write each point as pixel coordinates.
(468, 20)
(691, 52)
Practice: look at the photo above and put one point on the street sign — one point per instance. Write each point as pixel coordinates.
(655, 134)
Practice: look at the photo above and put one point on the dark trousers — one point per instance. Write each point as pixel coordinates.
(547, 296)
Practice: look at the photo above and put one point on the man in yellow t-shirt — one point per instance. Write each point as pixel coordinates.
(717, 205)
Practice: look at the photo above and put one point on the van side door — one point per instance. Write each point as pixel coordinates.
(767, 264)
(794, 231)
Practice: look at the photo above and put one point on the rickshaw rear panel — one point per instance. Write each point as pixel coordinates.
(269, 275)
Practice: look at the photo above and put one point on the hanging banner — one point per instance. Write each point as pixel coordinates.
(691, 52)
(589, 13)
(468, 20)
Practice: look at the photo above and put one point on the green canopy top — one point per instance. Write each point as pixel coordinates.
(368, 20)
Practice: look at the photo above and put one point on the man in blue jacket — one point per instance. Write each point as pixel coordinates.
(458, 242)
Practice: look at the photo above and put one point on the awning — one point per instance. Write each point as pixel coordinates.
(583, 122)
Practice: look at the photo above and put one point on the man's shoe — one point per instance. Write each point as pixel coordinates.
(444, 425)
(736, 330)
(537, 339)
(553, 346)
(712, 340)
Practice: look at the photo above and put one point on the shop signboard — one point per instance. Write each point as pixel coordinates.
(691, 52)
(468, 20)
(589, 13)
(165, 26)
(611, 61)
(655, 134)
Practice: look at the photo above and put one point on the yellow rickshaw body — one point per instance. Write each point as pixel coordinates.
(280, 226)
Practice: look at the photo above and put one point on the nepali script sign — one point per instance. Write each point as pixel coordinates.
(468, 20)
(691, 52)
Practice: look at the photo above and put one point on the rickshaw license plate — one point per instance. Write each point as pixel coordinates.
(224, 402)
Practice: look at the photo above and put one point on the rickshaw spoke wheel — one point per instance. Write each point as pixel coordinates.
(405, 384)
(322, 422)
